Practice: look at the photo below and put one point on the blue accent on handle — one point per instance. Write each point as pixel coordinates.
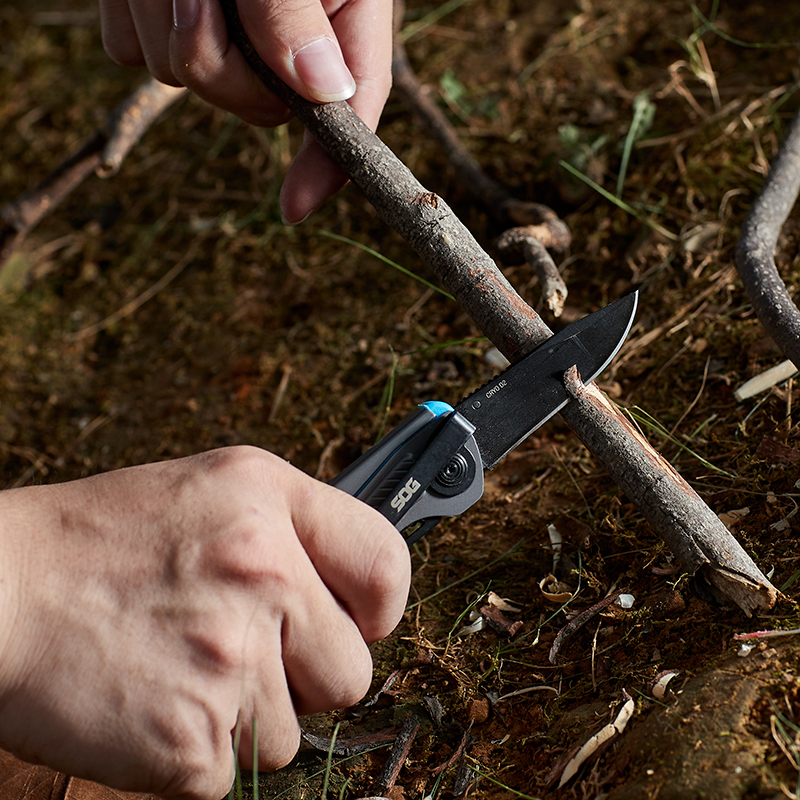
(437, 407)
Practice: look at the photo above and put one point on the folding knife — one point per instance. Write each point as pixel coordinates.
(431, 465)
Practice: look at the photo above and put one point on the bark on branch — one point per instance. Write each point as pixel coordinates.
(755, 251)
(700, 541)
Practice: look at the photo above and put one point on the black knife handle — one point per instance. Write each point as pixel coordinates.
(427, 468)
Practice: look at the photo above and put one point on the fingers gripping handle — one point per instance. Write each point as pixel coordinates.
(427, 468)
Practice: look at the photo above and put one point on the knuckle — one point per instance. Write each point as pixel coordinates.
(387, 582)
(235, 459)
(276, 753)
(358, 679)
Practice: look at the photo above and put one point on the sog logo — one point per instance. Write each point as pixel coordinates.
(405, 494)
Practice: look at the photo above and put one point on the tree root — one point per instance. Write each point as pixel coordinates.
(755, 251)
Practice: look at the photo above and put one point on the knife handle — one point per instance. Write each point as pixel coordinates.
(426, 468)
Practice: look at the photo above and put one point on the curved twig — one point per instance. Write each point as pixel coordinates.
(102, 154)
(755, 251)
(529, 244)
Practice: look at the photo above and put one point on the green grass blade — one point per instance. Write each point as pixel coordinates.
(642, 417)
(468, 577)
(619, 203)
(442, 345)
(515, 792)
(791, 580)
(386, 398)
(738, 42)
(431, 19)
(385, 260)
(643, 113)
(329, 763)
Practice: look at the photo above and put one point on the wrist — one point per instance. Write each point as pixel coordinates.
(25, 516)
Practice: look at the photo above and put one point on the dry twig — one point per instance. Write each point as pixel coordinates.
(755, 252)
(102, 154)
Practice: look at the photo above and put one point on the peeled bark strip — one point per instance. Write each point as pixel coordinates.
(755, 252)
(102, 154)
(443, 242)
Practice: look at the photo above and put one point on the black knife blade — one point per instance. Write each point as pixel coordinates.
(515, 403)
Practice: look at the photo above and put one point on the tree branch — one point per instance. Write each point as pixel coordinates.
(102, 154)
(531, 229)
(755, 251)
(426, 222)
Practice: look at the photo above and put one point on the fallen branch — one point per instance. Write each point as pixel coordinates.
(398, 755)
(102, 154)
(425, 221)
(755, 251)
(531, 229)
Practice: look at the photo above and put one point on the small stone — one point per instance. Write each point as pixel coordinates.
(479, 711)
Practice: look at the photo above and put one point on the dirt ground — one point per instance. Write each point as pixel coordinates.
(305, 345)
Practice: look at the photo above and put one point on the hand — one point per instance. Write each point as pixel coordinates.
(144, 612)
(325, 50)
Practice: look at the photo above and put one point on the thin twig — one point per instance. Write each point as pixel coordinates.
(755, 252)
(103, 154)
(529, 244)
(577, 622)
(399, 754)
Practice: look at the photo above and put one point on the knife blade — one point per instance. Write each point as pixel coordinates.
(510, 407)
(431, 466)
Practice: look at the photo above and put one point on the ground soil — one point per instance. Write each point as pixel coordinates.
(290, 340)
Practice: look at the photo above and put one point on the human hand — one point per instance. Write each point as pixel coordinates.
(325, 50)
(144, 611)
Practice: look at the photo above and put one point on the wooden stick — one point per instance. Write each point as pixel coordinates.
(427, 223)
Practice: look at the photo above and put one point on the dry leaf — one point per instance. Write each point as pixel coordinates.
(732, 517)
(22, 781)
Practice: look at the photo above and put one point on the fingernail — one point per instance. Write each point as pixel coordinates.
(291, 223)
(185, 13)
(322, 69)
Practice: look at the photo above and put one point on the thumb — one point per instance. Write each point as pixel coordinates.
(296, 40)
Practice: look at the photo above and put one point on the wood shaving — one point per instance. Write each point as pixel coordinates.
(601, 738)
